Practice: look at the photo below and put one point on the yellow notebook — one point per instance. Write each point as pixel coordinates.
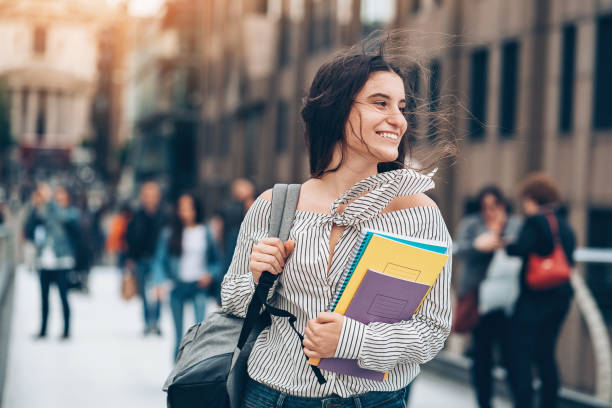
(395, 259)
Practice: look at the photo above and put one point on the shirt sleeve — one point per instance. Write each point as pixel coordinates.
(382, 346)
(238, 286)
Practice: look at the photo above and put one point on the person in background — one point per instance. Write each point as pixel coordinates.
(478, 238)
(231, 216)
(142, 234)
(539, 314)
(51, 226)
(116, 240)
(188, 260)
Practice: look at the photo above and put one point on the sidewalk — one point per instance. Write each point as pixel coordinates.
(108, 363)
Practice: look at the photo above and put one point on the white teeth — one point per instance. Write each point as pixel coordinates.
(388, 135)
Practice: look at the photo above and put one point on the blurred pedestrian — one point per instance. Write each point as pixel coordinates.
(186, 262)
(52, 226)
(478, 238)
(116, 243)
(539, 313)
(242, 196)
(142, 235)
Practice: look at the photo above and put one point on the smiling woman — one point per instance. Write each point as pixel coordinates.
(358, 140)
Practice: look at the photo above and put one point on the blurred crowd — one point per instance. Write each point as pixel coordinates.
(170, 254)
(167, 252)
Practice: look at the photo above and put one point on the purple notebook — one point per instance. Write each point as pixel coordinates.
(380, 298)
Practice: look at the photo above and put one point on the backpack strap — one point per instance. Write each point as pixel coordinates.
(284, 203)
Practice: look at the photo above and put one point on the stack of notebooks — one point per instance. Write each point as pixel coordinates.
(386, 281)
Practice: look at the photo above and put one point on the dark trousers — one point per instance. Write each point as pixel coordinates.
(536, 327)
(493, 329)
(60, 278)
(151, 307)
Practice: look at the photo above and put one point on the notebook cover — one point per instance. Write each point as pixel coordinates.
(380, 298)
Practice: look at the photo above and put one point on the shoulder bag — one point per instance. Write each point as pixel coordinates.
(211, 366)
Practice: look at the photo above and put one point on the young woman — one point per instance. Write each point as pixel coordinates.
(187, 257)
(479, 237)
(539, 314)
(356, 135)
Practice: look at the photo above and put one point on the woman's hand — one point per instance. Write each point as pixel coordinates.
(270, 255)
(488, 242)
(205, 280)
(322, 335)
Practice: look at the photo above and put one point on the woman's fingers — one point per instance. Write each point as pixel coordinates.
(270, 250)
(277, 243)
(270, 261)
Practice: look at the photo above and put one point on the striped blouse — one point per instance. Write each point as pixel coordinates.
(305, 288)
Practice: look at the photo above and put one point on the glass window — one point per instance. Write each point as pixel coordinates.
(568, 57)
(509, 82)
(282, 126)
(40, 40)
(599, 275)
(603, 79)
(478, 93)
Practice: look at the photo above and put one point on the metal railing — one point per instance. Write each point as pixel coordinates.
(596, 325)
(7, 275)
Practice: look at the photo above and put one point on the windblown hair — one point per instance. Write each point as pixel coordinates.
(326, 108)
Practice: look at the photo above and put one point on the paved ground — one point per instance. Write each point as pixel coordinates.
(108, 363)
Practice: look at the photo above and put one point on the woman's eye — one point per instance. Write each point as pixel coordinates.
(381, 103)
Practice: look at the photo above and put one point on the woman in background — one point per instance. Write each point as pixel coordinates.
(187, 260)
(539, 314)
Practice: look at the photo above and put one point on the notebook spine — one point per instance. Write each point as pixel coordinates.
(350, 268)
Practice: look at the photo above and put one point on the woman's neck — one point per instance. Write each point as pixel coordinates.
(352, 170)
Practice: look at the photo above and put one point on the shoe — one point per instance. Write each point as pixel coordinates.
(147, 331)
(157, 331)
(65, 337)
(39, 336)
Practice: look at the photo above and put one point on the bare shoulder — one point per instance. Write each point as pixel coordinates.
(405, 202)
(266, 195)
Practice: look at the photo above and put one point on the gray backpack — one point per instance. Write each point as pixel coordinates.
(211, 366)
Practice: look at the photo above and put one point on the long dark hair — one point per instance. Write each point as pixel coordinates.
(175, 243)
(326, 109)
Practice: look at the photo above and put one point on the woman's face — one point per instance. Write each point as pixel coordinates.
(376, 123)
(61, 196)
(530, 207)
(186, 210)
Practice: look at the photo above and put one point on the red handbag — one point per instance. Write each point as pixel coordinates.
(545, 272)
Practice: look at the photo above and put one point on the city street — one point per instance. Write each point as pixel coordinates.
(108, 363)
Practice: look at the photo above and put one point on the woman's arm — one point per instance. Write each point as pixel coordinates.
(381, 346)
(527, 240)
(463, 245)
(238, 285)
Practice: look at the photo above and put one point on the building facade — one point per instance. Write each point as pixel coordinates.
(530, 89)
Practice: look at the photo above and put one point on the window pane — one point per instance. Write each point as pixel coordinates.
(603, 79)
(509, 77)
(566, 104)
(478, 93)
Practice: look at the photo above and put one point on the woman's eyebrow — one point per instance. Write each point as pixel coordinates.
(382, 95)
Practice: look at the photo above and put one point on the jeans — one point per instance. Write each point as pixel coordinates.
(151, 307)
(261, 396)
(60, 278)
(180, 294)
